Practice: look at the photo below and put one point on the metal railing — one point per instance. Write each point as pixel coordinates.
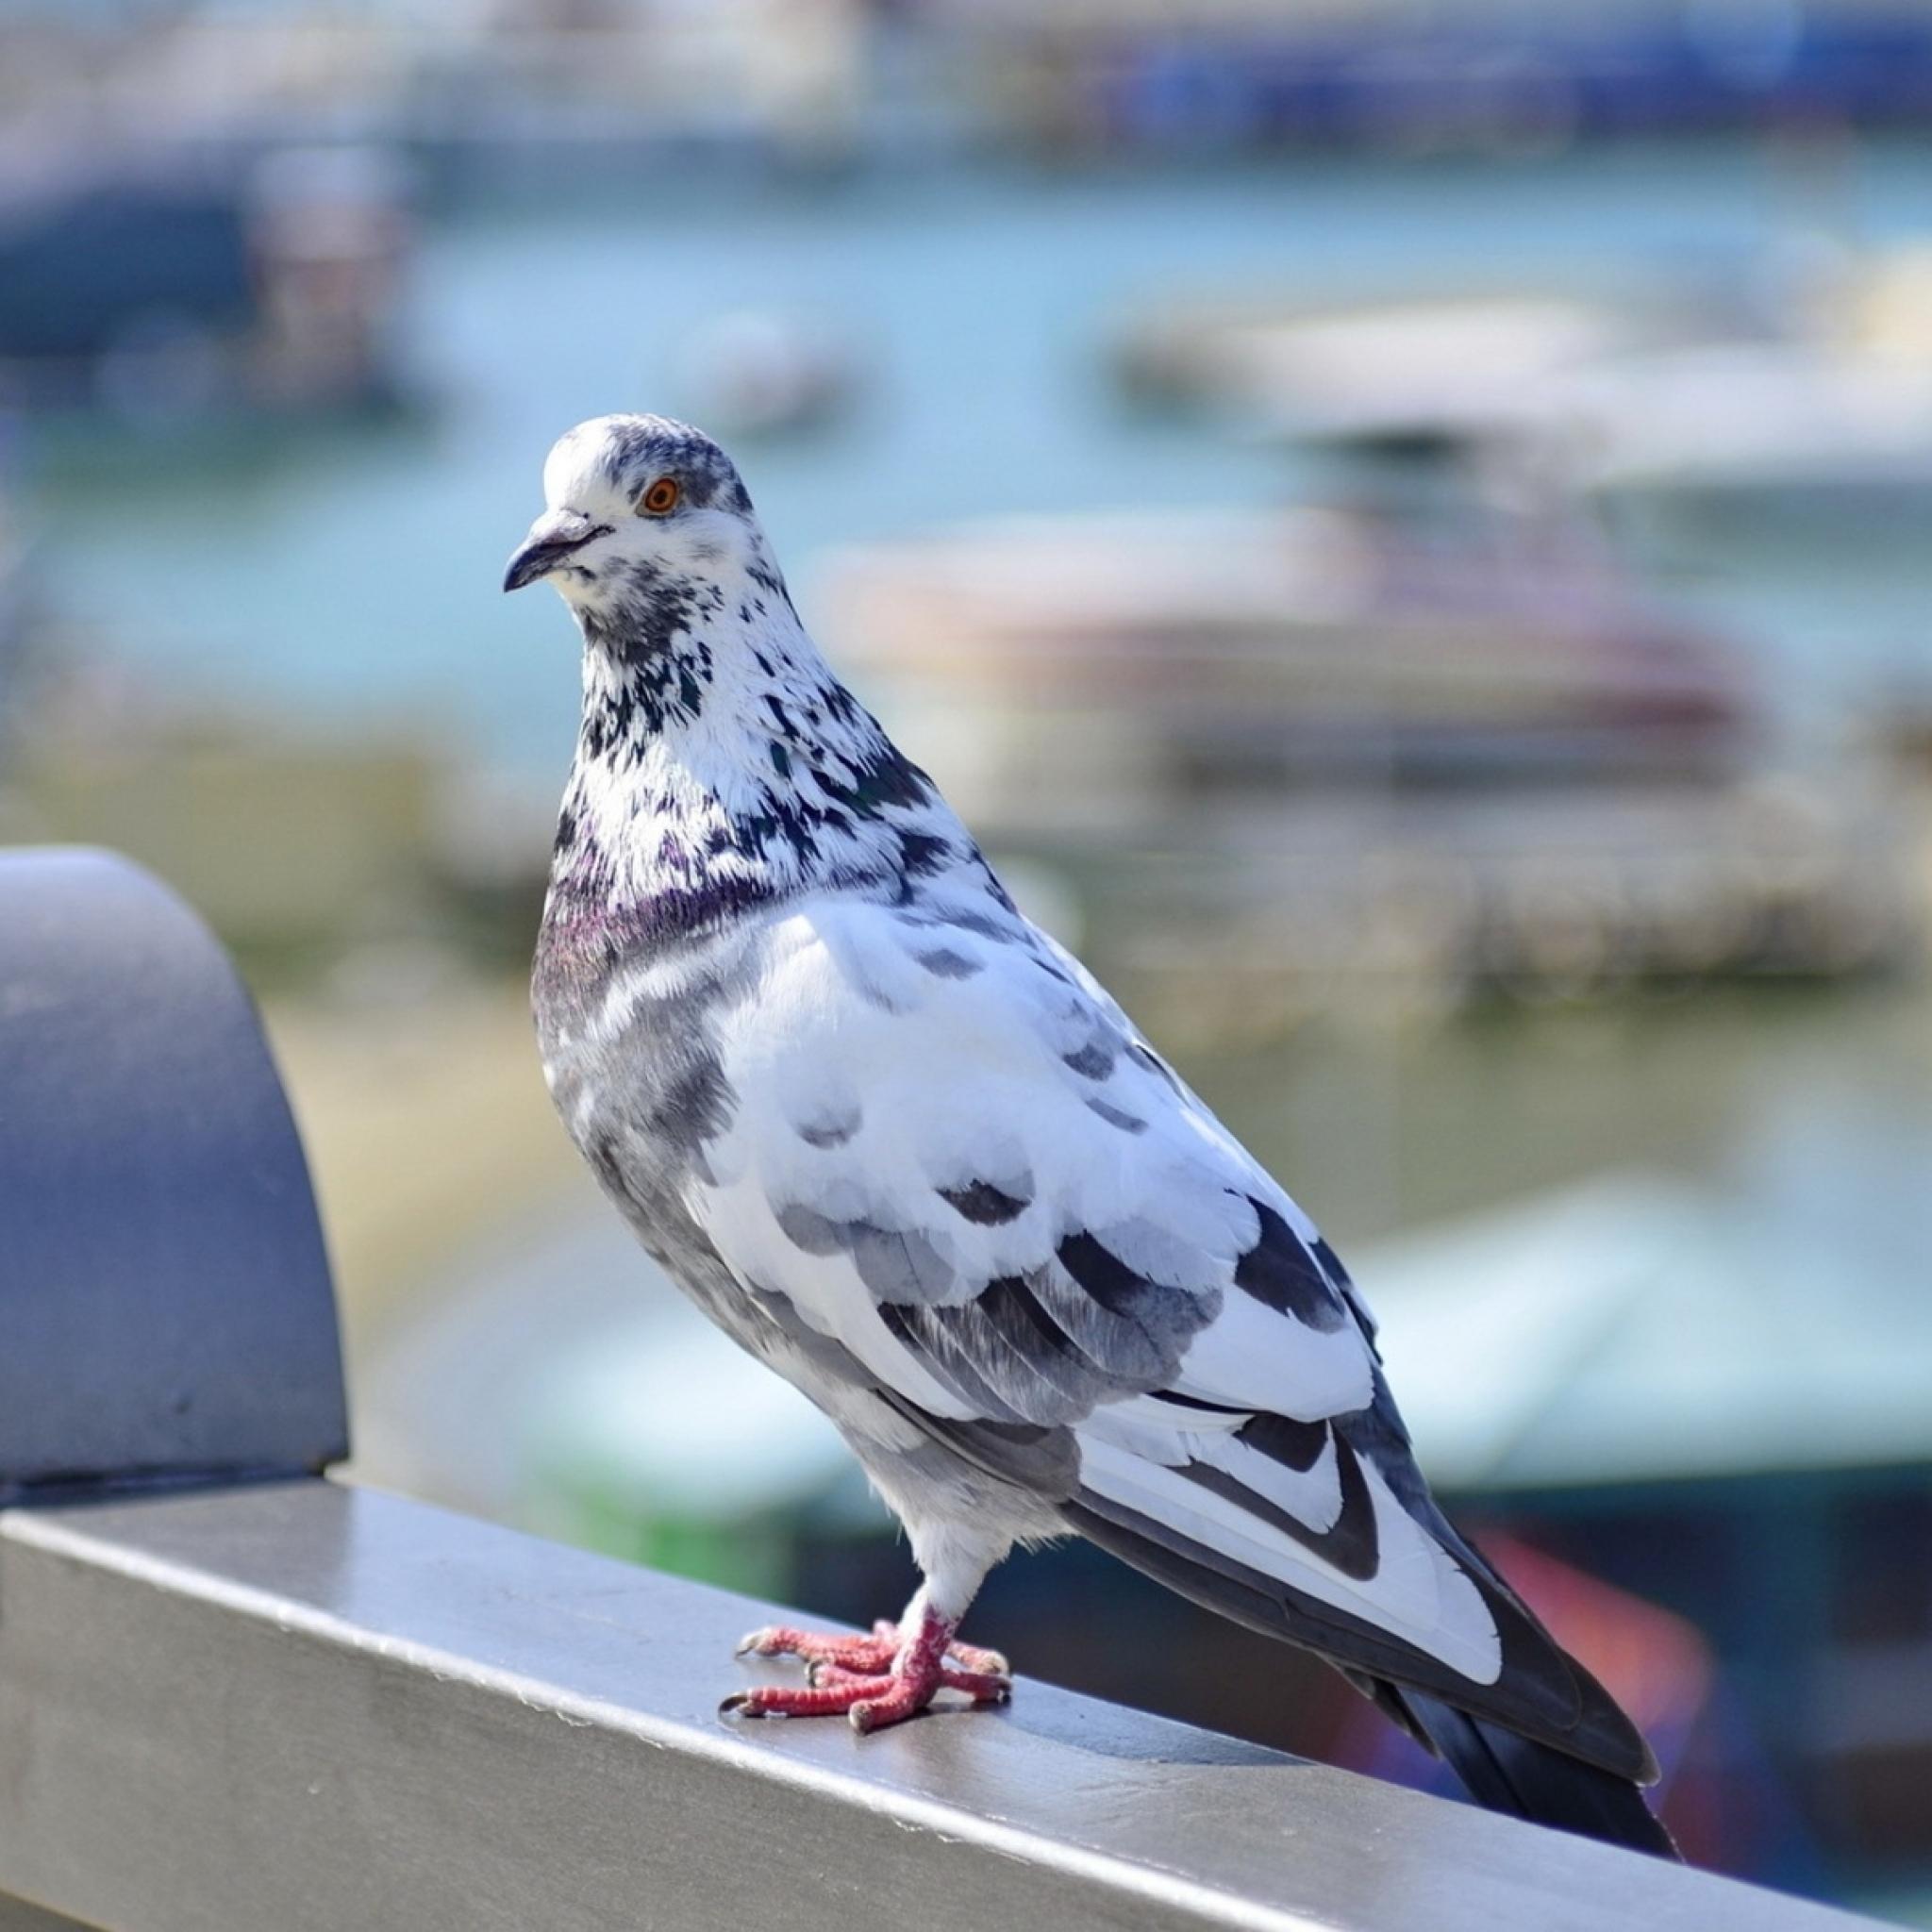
(235, 1694)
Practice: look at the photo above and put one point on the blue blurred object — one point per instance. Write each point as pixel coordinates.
(174, 290)
(1511, 75)
(78, 273)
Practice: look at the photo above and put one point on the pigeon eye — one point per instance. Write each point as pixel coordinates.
(660, 499)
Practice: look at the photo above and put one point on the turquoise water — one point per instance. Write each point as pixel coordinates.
(356, 574)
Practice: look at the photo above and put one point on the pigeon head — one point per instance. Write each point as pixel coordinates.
(636, 505)
(720, 762)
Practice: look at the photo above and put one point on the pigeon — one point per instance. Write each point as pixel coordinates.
(905, 1149)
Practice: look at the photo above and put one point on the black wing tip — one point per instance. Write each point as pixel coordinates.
(1579, 1718)
(1525, 1779)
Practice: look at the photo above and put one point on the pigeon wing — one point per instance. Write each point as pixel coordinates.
(955, 1169)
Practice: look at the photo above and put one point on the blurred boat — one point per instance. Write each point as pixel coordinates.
(1751, 429)
(1222, 651)
(1802, 392)
(1832, 414)
(1458, 359)
(267, 291)
(1354, 757)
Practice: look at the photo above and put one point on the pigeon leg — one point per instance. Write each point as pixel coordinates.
(871, 1698)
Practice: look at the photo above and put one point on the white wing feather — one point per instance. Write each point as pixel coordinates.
(927, 1108)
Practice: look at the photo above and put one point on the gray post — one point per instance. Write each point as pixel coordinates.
(166, 1317)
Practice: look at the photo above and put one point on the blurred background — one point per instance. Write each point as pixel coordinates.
(1403, 523)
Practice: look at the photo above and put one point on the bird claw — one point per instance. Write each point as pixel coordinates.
(874, 1680)
(873, 1655)
(868, 1702)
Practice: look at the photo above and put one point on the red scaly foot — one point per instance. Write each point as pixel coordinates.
(872, 1656)
(874, 1680)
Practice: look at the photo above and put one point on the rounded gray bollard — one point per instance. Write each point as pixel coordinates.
(166, 1315)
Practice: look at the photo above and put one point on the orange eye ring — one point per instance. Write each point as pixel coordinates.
(660, 499)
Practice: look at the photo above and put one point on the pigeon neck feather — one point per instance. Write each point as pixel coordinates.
(722, 766)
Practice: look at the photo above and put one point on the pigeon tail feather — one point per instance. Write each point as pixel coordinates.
(1509, 1772)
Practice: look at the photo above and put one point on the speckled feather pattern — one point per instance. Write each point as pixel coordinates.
(904, 1148)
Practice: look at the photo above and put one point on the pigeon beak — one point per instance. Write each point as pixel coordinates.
(553, 537)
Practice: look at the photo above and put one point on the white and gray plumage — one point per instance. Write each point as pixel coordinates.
(905, 1149)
